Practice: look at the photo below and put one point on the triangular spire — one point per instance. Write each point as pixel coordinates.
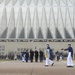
(35, 23)
(27, 23)
(68, 23)
(52, 23)
(60, 24)
(11, 23)
(3, 21)
(20, 18)
(74, 21)
(19, 23)
(44, 23)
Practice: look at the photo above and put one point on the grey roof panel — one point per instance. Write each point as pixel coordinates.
(49, 35)
(58, 35)
(67, 35)
(74, 32)
(40, 35)
(22, 33)
(4, 35)
(31, 34)
(13, 34)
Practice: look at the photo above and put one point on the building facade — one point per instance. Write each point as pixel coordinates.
(37, 19)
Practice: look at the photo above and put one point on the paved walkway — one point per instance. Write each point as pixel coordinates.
(20, 68)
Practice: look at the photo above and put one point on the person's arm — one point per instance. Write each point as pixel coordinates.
(64, 49)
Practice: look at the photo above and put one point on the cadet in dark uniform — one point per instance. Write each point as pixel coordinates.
(26, 55)
(41, 54)
(50, 55)
(31, 55)
(36, 56)
(70, 55)
(23, 56)
(57, 54)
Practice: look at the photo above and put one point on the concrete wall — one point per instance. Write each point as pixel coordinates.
(13, 46)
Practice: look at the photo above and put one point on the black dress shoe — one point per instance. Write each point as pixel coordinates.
(69, 66)
(52, 64)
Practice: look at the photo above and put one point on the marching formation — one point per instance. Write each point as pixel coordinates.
(48, 53)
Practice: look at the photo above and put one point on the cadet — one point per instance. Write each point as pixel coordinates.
(31, 55)
(36, 56)
(23, 56)
(49, 56)
(26, 55)
(70, 55)
(41, 54)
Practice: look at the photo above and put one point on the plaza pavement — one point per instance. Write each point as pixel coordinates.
(20, 68)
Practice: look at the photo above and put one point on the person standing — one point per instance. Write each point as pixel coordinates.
(57, 55)
(41, 54)
(23, 56)
(70, 55)
(31, 55)
(26, 55)
(36, 56)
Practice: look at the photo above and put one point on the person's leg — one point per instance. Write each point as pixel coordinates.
(27, 59)
(35, 59)
(69, 60)
(40, 59)
(51, 62)
(31, 60)
(23, 59)
(47, 62)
